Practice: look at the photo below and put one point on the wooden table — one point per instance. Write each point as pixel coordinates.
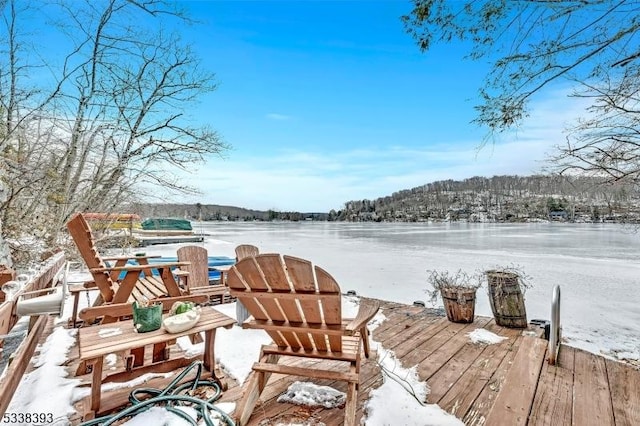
(123, 260)
(223, 269)
(96, 342)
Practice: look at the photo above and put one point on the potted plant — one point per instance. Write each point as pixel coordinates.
(506, 286)
(458, 292)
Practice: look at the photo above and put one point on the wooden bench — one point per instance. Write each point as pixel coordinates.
(99, 341)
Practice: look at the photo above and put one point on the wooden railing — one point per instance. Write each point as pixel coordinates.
(8, 319)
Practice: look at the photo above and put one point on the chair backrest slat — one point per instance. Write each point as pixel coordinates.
(246, 250)
(199, 265)
(331, 307)
(80, 231)
(238, 288)
(302, 281)
(271, 266)
(320, 301)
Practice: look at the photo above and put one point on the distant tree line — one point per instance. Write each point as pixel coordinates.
(501, 198)
(211, 212)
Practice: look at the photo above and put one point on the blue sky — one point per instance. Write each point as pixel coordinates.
(329, 101)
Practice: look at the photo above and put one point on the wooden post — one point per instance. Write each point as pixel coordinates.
(6, 274)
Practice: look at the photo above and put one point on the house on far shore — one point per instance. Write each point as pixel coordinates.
(559, 215)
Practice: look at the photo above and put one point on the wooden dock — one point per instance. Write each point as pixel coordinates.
(509, 383)
(506, 384)
(144, 241)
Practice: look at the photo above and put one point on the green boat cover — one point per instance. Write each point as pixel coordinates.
(164, 224)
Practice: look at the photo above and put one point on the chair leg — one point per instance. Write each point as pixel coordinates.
(364, 334)
(350, 406)
(74, 313)
(250, 397)
(256, 383)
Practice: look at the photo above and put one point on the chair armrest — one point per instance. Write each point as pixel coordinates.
(180, 273)
(367, 310)
(131, 257)
(86, 285)
(89, 284)
(140, 267)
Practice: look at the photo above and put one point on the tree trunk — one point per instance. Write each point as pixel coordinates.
(5, 254)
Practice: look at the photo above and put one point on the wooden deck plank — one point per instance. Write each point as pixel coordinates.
(460, 397)
(448, 349)
(409, 330)
(394, 324)
(446, 377)
(513, 404)
(553, 402)
(592, 399)
(624, 383)
(414, 351)
(480, 408)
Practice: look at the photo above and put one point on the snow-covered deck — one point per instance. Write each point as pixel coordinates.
(506, 383)
(469, 372)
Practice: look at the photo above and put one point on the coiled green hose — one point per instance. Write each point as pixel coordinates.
(170, 398)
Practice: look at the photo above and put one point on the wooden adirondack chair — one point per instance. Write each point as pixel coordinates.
(299, 306)
(246, 250)
(139, 283)
(196, 274)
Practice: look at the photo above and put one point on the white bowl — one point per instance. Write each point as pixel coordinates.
(181, 322)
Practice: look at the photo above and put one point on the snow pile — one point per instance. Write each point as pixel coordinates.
(399, 401)
(236, 349)
(309, 394)
(110, 332)
(629, 357)
(481, 335)
(110, 361)
(350, 305)
(160, 416)
(47, 388)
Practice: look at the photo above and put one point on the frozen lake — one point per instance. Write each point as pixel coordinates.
(596, 265)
